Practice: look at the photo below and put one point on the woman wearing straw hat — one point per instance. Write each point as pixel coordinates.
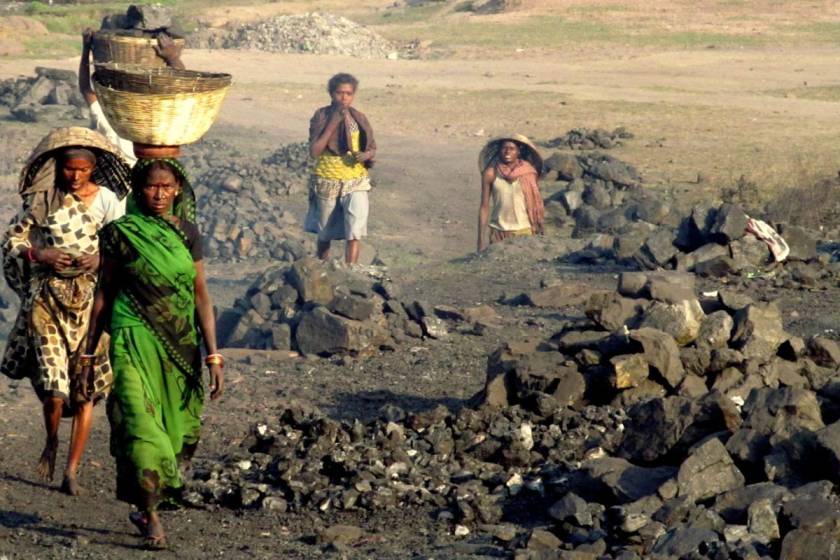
(511, 204)
(72, 185)
(341, 138)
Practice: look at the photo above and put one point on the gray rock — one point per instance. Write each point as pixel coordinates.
(715, 330)
(733, 506)
(678, 543)
(352, 306)
(802, 244)
(571, 508)
(716, 267)
(681, 320)
(659, 248)
(322, 333)
(661, 352)
(817, 515)
(759, 331)
(782, 411)
(624, 482)
(703, 257)
(566, 166)
(611, 311)
(709, 471)
(824, 351)
(730, 223)
(312, 281)
(762, 522)
(805, 545)
(632, 284)
(628, 371)
(750, 253)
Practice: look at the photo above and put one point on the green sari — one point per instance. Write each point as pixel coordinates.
(157, 398)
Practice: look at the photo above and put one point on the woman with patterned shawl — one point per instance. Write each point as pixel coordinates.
(511, 204)
(74, 183)
(151, 289)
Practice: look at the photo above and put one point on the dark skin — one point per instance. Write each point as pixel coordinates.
(74, 177)
(166, 49)
(508, 153)
(158, 195)
(342, 99)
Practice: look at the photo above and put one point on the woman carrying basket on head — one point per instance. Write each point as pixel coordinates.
(511, 204)
(151, 290)
(72, 185)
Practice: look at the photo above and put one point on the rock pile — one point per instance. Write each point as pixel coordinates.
(243, 201)
(324, 308)
(50, 95)
(597, 193)
(729, 446)
(315, 33)
(589, 139)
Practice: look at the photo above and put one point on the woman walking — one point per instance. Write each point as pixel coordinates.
(151, 289)
(72, 185)
(511, 204)
(341, 138)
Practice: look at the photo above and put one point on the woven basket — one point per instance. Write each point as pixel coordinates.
(160, 119)
(138, 79)
(113, 47)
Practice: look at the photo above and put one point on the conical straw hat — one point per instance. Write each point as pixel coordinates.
(489, 155)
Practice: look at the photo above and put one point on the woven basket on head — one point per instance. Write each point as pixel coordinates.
(489, 155)
(139, 79)
(109, 46)
(160, 106)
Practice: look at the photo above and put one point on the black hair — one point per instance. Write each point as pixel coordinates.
(342, 78)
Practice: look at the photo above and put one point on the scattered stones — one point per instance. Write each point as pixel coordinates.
(316, 33)
(242, 201)
(589, 139)
(51, 94)
(324, 309)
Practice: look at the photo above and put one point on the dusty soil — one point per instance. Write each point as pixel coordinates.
(702, 117)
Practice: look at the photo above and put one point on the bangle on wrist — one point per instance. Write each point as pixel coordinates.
(30, 254)
(214, 359)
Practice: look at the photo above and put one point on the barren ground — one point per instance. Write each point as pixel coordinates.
(711, 93)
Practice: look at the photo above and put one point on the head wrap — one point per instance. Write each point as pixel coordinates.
(183, 207)
(37, 179)
(78, 153)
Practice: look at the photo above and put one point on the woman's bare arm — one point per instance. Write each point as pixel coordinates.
(207, 324)
(484, 208)
(103, 302)
(317, 147)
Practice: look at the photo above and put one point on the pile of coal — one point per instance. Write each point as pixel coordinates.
(660, 425)
(243, 200)
(52, 94)
(315, 33)
(143, 20)
(589, 139)
(325, 308)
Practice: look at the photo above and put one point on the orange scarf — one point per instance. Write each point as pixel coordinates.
(526, 174)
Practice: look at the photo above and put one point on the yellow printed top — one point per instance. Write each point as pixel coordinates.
(342, 167)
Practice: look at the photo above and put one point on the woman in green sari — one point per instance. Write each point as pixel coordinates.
(151, 289)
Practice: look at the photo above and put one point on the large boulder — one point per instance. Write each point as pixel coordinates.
(759, 331)
(708, 471)
(662, 353)
(320, 332)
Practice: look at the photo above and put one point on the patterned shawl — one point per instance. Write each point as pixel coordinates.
(525, 173)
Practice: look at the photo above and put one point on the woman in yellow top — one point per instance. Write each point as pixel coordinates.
(511, 204)
(342, 139)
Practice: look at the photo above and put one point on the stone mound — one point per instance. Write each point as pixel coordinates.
(323, 309)
(659, 426)
(52, 94)
(243, 201)
(589, 139)
(315, 33)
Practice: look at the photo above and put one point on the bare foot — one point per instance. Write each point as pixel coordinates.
(71, 486)
(46, 465)
(155, 538)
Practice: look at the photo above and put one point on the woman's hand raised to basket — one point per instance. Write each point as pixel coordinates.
(169, 51)
(87, 38)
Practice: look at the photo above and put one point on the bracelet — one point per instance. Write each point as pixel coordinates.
(214, 359)
(30, 254)
(87, 360)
